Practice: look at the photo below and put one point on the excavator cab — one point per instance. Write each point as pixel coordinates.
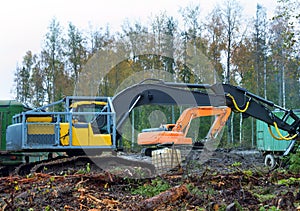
(90, 107)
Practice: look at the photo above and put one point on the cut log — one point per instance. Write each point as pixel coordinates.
(165, 197)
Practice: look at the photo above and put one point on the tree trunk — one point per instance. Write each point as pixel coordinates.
(241, 127)
(164, 198)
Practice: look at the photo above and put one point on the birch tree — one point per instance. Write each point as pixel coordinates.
(285, 49)
(52, 53)
(231, 14)
(215, 31)
(261, 51)
(75, 51)
(37, 83)
(22, 78)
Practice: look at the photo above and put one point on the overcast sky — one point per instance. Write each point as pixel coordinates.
(25, 23)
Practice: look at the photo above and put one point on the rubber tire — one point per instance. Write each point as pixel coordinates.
(270, 161)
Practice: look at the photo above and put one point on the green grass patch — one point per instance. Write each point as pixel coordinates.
(151, 189)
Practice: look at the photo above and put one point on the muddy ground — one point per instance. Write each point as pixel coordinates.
(223, 180)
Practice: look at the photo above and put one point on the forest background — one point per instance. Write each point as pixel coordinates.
(261, 55)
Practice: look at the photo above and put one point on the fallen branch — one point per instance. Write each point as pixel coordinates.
(165, 197)
(107, 202)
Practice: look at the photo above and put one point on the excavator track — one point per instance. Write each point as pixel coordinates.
(5, 170)
(119, 166)
(25, 168)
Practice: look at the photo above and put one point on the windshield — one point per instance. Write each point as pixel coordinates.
(88, 108)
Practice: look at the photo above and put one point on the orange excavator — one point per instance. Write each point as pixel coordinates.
(176, 134)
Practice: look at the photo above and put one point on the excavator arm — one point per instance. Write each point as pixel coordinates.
(221, 115)
(236, 98)
(241, 100)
